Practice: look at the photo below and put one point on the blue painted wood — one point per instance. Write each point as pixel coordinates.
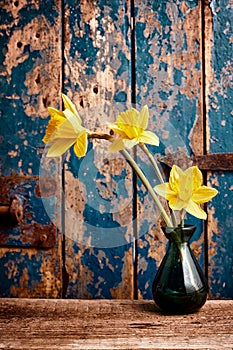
(168, 78)
(220, 123)
(29, 82)
(98, 216)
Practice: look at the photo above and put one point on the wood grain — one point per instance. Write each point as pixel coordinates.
(98, 188)
(219, 112)
(169, 80)
(30, 77)
(112, 324)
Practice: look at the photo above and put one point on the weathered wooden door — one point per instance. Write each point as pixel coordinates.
(82, 230)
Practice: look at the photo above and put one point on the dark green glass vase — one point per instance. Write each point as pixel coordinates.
(179, 286)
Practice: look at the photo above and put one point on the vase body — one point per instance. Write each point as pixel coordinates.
(179, 286)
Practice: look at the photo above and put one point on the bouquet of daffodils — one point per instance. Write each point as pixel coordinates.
(184, 191)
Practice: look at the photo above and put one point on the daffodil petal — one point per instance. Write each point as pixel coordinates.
(203, 194)
(150, 138)
(130, 143)
(164, 190)
(128, 117)
(143, 117)
(195, 210)
(73, 119)
(117, 145)
(56, 113)
(80, 146)
(128, 122)
(120, 144)
(68, 104)
(59, 147)
(175, 174)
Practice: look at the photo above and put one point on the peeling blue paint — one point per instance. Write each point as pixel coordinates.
(221, 98)
(21, 133)
(221, 262)
(18, 262)
(165, 92)
(221, 133)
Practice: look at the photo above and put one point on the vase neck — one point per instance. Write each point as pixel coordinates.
(179, 234)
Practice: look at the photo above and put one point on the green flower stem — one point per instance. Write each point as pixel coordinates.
(182, 214)
(140, 175)
(153, 162)
(148, 186)
(158, 174)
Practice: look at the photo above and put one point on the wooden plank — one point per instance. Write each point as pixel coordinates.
(98, 222)
(168, 79)
(206, 162)
(30, 67)
(215, 162)
(112, 324)
(218, 56)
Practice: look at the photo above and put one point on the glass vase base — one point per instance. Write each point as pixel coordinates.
(179, 286)
(171, 302)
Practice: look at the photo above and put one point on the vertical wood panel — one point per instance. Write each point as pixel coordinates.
(168, 77)
(219, 100)
(30, 63)
(98, 221)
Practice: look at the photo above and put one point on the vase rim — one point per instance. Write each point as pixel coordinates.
(186, 226)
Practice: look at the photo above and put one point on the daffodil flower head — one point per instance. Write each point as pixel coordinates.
(64, 130)
(185, 191)
(131, 127)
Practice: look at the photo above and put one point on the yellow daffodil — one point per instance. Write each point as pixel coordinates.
(185, 191)
(64, 130)
(131, 126)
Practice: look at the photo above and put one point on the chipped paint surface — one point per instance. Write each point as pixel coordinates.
(96, 75)
(30, 61)
(99, 188)
(29, 273)
(220, 237)
(220, 81)
(168, 65)
(220, 133)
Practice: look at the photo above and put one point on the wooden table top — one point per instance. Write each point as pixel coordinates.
(111, 324)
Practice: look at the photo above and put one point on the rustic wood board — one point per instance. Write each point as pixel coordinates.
(219, 108)
(30, 67)
(98, 188)
(168, 71)
(112, 324)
